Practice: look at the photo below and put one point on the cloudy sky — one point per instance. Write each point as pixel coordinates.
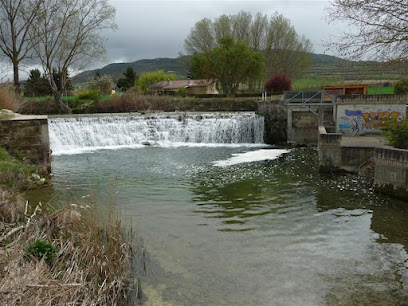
(151, 29)
(157, 28)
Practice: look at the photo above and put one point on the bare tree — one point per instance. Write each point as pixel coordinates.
(378, 29)
(69, 36)
(16, 17)
(285, 50)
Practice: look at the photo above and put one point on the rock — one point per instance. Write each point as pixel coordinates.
(35, 177)
(367, 169)
(146, 143)
(41, 182)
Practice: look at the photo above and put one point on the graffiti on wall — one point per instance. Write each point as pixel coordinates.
(361, 121)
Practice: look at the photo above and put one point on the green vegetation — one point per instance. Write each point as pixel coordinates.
(91, 94)
(41, 249)
(129, 80)
(377, 90)
(314, 83)
(401, 87)
(397, 134)
(14, 173)
(150, 78)
(232, 63)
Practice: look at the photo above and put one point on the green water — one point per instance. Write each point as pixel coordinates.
(263, 233)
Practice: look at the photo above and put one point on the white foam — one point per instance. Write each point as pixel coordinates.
(251, 156)
(72, 151)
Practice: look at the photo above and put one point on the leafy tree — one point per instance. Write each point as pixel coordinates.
(232, 63)
(36, 85)
(68, 34)
(150, 78)
(285, 51)
(401, 87)
(102, 84)
(16, 17)
(397, 134)
(278, 83)
(129, 80)
(379, 29)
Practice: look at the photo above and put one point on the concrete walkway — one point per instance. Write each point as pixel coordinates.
(372, 141)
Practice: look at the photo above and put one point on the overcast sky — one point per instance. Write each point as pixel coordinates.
(158, 28)
(151, 29)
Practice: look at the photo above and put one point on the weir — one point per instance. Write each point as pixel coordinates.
(70, 134)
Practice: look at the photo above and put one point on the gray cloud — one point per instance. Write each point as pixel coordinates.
(151, 29)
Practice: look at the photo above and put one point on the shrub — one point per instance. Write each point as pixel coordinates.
(278, 82)
(182, 91)
(39, 107)
(91, 94)
(41, 249)
(401, 87)
(103, 84)
(397, 134)
(9, 99)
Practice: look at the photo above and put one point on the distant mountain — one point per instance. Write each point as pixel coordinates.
(115, 70)
(322, 65)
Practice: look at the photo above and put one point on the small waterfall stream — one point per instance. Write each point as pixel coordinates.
(77, 134)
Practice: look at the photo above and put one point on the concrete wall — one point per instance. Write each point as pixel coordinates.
(28, 139)
(360, 115)
(391, 171)
(302, 124)
(334, 157)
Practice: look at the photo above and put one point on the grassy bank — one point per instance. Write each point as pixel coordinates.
(66, 256)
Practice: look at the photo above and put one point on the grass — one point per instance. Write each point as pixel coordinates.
(14, 173)
(314, 83)
(92, 256)
(92, 264)
(376, 90)
(5, 117)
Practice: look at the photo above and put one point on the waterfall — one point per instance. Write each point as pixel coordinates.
(77, 134)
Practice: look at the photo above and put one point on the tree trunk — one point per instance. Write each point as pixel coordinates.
(63, 108)
(16, 80)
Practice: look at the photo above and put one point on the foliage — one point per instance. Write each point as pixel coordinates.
(129, 80)
(42, 249)
(279, 82)
(9, 99)
(150, 78)
(401, 87)
(69, 35)
(36, 85)
(102, 84)
(182, 91)
(379, 29)
(14, 173)
(397, 134)
(232, 63)
(91, 94)
(285, 50)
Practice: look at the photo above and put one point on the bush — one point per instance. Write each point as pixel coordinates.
(397, 134)
(39, 107)
(279, 82)
(182, 91)
(9, 99)
(401, 87)
(41, 249)
(103, 84)
(91, 94)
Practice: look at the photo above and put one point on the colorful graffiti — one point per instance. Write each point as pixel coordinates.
(368, 120)
(380, 119)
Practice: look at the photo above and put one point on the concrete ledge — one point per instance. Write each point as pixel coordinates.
(391, 172)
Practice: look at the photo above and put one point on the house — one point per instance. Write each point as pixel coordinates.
(194, 87)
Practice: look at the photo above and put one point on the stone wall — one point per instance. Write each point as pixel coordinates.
(275, 115)
(391, 172)
(360, 115)
(27, 139)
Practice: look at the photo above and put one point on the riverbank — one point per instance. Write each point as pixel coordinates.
(59, 256)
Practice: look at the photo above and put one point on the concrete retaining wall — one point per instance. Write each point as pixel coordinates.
(27, 139)
(391, 172)
(360, 115)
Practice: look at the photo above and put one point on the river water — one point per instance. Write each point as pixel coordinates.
(227, 220)
(269, 232)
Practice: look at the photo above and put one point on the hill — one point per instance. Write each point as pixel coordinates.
(322, 66)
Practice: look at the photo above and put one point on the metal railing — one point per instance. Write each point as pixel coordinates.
(311, 97)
